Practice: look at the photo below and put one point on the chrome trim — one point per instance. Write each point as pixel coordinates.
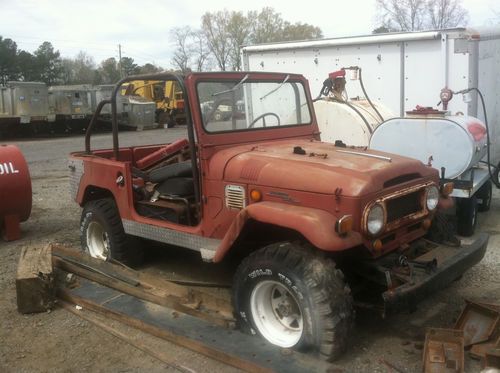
(76, 171)
(390, 226)
(388, 159)
(206, 246)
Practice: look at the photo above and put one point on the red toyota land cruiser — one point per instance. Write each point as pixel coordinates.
(307, 219)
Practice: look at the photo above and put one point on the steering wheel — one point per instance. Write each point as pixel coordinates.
(262, 116)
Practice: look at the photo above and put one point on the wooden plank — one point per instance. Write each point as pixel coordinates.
(231, 347)
(164, 299)
(35, 288)
(155, 284)
(182, 298)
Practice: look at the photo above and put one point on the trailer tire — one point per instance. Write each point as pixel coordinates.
(496, 176)
(484, 194)
(102, 235)
(467, 216)
(294, 298)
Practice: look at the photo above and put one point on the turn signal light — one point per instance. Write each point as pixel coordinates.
(255, 195)
(426, 224)
(377, 245)
(447, 189)
(344, 225)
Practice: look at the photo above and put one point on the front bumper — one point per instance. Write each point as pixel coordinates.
(452, 263)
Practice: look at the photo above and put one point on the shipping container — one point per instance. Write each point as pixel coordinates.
(24, 102)
(71, 101)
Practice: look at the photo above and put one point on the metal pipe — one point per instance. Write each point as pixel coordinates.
(335, 42)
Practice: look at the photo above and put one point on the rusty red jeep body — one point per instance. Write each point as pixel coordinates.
(258, 182)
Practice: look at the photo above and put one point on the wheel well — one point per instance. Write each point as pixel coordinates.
(256, 235)
(93, 192)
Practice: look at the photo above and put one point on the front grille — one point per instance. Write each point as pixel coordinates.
(400, 207)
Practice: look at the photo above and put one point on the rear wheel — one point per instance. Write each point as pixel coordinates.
(467, 216)
(102, 235)
(484, 196)
(496, 175)
(294, 298)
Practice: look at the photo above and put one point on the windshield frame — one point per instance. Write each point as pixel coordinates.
(289, 78)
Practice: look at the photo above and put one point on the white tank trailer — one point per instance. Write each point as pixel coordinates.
(349, 120)
(402, 71)
(453, 144)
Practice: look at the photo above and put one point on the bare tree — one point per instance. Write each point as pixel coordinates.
(200, 50)
(182, 53)
(414, 15)
(447, 13)
(215, 27)
(407, 15)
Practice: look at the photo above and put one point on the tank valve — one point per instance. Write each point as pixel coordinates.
(446, 95)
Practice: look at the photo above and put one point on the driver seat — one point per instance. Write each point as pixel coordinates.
(174, 180)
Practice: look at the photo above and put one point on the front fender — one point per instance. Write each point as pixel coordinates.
(317, 226)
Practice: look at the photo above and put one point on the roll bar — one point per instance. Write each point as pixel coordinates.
(114, 120)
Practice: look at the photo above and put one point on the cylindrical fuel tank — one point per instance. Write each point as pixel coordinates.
(338, 121)
(15, 184)
(453, 142)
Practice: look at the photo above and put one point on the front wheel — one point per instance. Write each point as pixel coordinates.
(102, 235)
(294, 298)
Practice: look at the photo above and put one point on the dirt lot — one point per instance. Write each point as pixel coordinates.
(60, 341)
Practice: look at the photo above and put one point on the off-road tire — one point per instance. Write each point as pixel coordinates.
(316, 283)
(467, 216)
(484, 194)
(104, 212)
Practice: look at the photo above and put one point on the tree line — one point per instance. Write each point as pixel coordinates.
(417, 15)
(216, 44)
(46, 65)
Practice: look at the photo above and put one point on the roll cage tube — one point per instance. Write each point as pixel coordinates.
(92, 123)
(114, 121)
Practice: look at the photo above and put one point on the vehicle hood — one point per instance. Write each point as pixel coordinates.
(324, 168)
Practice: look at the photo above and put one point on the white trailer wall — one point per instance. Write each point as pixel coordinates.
(400, 70)
(489, 83)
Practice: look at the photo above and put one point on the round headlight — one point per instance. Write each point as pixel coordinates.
(432, 197)
(375, 219)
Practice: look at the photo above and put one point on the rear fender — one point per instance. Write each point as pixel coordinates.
(317, 226)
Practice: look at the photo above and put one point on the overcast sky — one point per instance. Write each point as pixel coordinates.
(142, 26)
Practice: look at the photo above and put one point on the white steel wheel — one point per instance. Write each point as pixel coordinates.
(98, 241)
(276, 314)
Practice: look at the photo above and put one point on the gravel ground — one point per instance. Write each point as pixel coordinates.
(59, 341)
